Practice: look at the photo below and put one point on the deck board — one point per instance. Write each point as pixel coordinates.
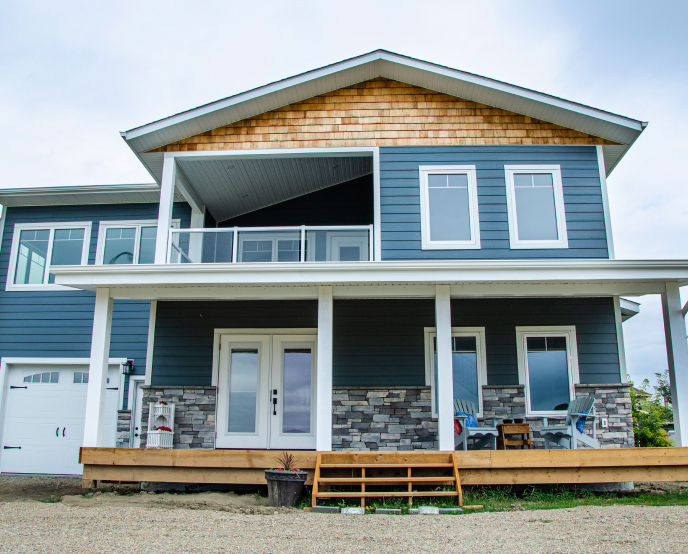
(475, 467)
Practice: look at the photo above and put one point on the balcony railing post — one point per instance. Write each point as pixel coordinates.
(371, 242)
(235, 245)
(303, 243)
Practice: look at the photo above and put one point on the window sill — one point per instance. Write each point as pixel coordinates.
(450, 246)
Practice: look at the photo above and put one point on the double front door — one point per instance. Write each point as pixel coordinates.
(266, 392)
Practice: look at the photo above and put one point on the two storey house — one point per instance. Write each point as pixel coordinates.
(326, 263)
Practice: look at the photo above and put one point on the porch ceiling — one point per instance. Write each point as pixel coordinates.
(231, 186)
(496, 278)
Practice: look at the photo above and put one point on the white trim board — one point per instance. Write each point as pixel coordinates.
(605, 202)
(152, 317)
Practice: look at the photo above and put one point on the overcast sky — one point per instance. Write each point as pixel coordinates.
(74, 74)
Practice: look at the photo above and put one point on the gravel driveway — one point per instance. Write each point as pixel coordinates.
(38, 527)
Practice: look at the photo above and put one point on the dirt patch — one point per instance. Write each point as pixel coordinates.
(44, 488)
(218, 501)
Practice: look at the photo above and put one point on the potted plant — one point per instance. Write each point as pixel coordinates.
(285, 483)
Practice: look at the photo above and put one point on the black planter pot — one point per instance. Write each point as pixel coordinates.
(284, 487)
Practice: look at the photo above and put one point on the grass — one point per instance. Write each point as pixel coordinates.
(503, 499)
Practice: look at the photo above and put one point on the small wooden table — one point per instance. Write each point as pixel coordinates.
(520, 430)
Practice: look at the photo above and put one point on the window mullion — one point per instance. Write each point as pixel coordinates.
(49, 256)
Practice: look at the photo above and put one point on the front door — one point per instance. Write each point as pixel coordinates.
(266, 392)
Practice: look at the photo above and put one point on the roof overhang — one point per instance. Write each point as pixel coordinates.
(490, 278)
(628, 308)
(92, 194)
(381, 63)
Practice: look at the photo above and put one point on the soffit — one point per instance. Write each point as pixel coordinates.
(231, 187)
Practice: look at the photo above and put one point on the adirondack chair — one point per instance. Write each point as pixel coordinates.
(481, 435)
(567, 435)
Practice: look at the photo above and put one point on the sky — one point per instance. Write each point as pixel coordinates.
(73, 74)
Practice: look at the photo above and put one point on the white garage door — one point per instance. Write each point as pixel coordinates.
(44, 418)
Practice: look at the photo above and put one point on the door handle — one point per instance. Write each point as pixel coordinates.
(57, 432)
(274, 405)
(11, 447)
(63, 431)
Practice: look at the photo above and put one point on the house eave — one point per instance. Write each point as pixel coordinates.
(381, 63)
(481, 278)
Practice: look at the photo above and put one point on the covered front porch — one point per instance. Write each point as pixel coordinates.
(383, 339)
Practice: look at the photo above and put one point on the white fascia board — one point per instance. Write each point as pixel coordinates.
(378, 71)
(80, 189)
(638, 276)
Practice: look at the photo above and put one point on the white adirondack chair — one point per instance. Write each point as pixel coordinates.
(567, 435)
(480, 435)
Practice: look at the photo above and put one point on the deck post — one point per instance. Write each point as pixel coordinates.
(196, 239)
(167, 185)
(445, 381)
(677, 356)
(323, 398)
(98, 369)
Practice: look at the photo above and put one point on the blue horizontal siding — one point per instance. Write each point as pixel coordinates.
(381, 342)
(400, 199)
(59, 323)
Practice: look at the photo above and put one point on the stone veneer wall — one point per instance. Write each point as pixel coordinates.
(612, 401)
(194, 416)
(123, 429)
(384, 418)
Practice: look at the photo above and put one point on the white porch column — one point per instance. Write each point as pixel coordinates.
(445, 381)
(196, 239)
(169, 178)
(98, 369)
(677, 355)
(323, 398)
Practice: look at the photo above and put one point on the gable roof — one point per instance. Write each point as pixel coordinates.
(382, 63)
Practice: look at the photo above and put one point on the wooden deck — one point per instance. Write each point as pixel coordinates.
(495, 467)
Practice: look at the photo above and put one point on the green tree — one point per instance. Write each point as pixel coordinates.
(651, 412)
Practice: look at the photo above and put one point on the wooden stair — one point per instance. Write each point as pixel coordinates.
(374, 469)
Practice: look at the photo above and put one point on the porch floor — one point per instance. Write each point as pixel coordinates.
(483, 467)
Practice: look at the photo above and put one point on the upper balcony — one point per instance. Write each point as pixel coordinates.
(351, 243)
(272, 206)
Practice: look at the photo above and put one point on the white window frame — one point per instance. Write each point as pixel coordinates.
(481, 351)
(470, 171)
(135, 224)
(567, 331)
(19, 227)
(560, 212)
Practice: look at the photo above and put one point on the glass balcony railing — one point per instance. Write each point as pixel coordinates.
(271, 244)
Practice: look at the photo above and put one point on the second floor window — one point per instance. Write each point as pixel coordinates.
(36, 247)
(127, 242)
(449, 207)
(535, 200)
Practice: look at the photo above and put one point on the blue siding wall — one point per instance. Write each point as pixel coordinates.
(60, 323)
(400, 199)
(381, 342)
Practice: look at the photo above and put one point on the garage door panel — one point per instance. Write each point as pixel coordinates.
(46, 419)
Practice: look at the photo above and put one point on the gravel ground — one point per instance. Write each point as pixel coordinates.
(38, 527)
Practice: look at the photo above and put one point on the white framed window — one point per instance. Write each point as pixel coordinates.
(535, 202)
(469, 365)
(548, 367)
(449, 207)
(128, 242)
(37, 246)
